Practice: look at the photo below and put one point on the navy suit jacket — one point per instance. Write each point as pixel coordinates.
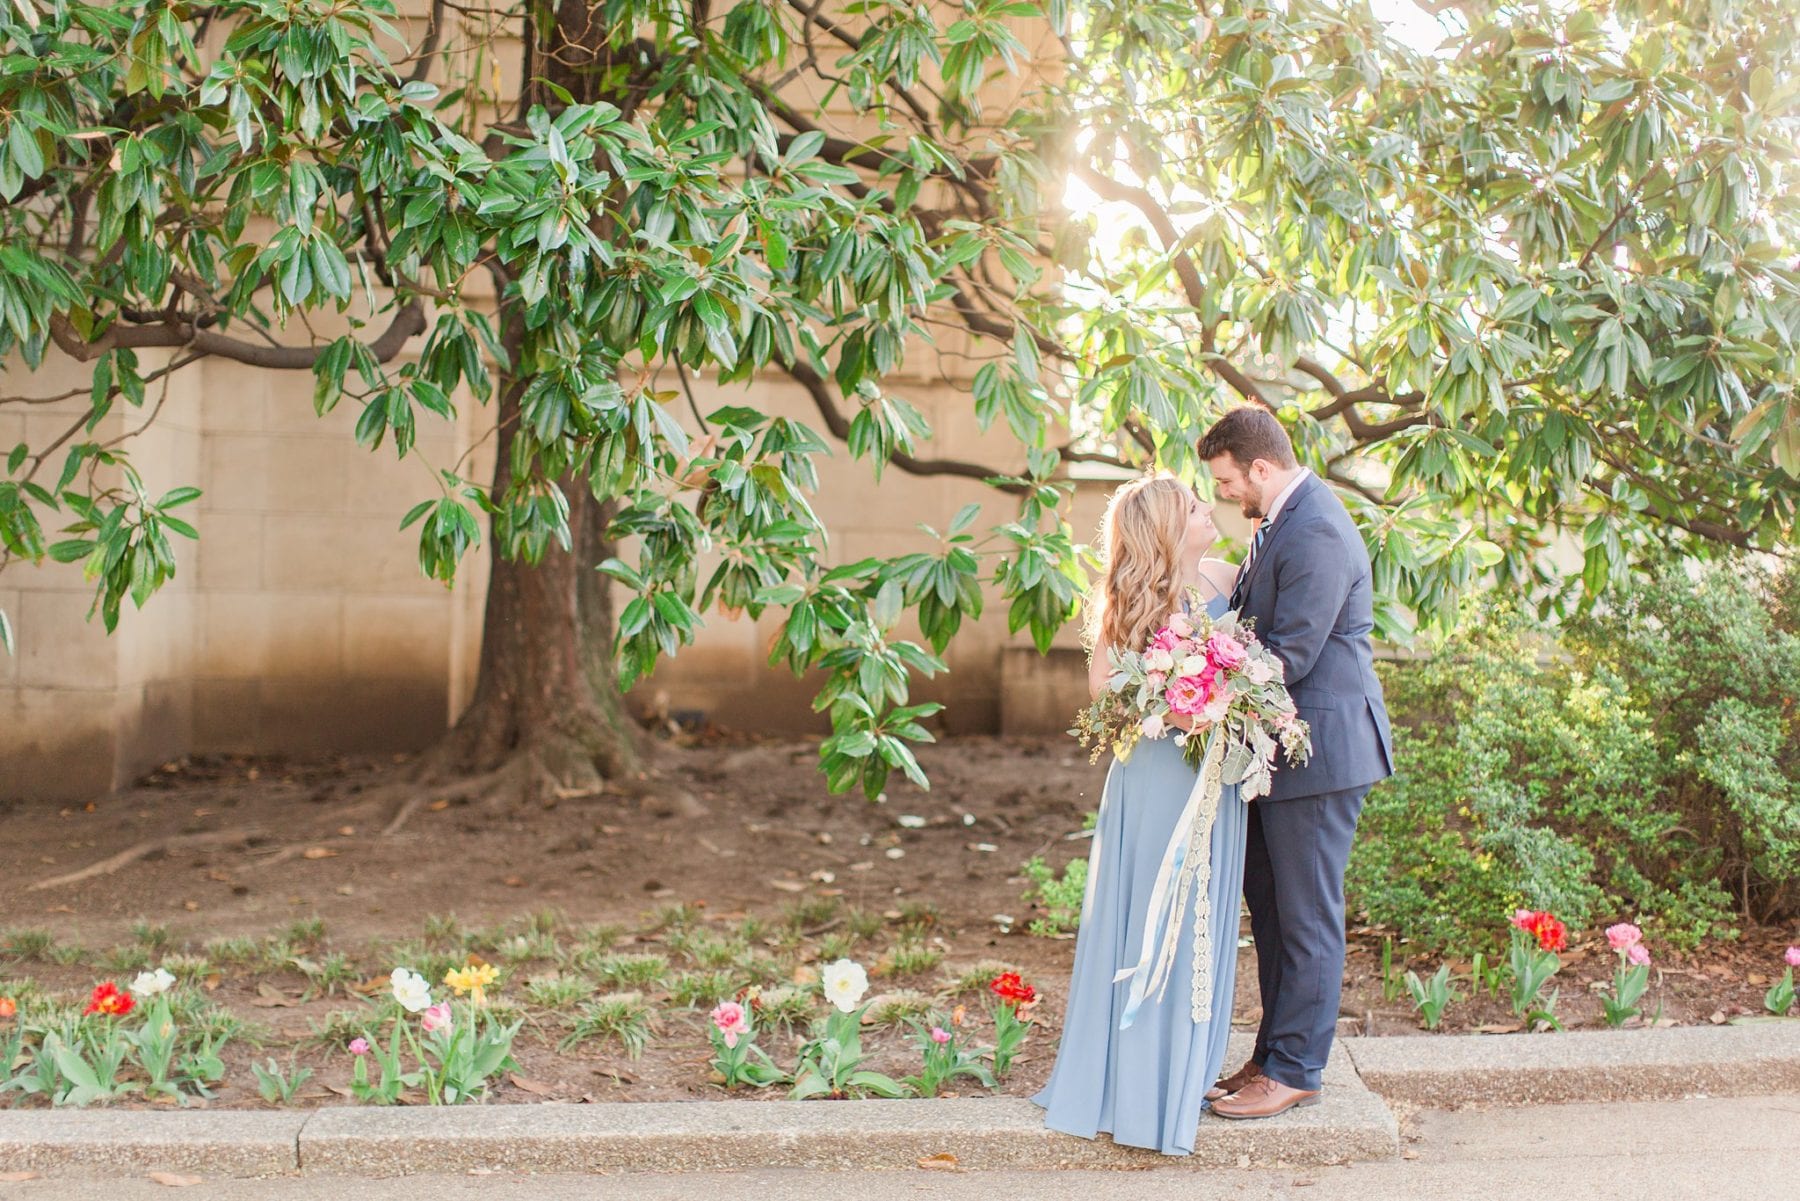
(1309, 593)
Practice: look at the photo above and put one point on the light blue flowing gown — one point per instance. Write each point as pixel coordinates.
(1146, 1085)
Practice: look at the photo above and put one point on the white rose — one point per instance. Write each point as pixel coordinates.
(1152, 726)
(1193, 665)
(149, 984)
(845, 982)
(1215, 709)
(1159, 660)
(410, 990)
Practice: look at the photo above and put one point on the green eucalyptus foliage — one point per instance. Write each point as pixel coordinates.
(1540, 283)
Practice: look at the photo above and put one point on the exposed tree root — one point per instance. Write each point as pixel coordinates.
(132, 854)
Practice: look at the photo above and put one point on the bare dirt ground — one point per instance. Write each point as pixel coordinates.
(248, 848)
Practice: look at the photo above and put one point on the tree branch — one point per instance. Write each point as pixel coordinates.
(407, 321)
(839, 425)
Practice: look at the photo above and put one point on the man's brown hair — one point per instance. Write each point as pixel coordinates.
(1248, 433)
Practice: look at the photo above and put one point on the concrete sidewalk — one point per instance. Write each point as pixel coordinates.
(1353, 1123)
(1736, 1149)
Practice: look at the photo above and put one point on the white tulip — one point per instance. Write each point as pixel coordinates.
(1152, 726)
(410, 990)
(1193, 665)
(149, 984)
(845, 982)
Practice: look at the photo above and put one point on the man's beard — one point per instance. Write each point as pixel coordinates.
(1251, 509)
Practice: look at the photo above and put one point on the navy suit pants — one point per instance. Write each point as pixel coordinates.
(1295, 855)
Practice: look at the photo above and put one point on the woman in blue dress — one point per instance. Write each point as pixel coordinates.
(1133, 1063)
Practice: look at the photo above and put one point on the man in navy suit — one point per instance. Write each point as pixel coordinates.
(1306, 586)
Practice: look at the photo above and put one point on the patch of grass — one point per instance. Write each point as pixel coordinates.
(557, 991)
(152, 936)
(28, 944)
(836, 946)
(545, 922)
(118, 960)
(306, 932)
(863, 923)
(752, 929)
(27, 994)
(68, 954)
(676, 917)
(899, 1006)
(631, 971)
(624, 1018)
(327, 974)
(443, 928)
(238, 950)
(915, 959)
(189, 969)
(527, 948)
(918, 917)
(760, 969)
(339, 1026)
(200, 1019)
(697, 990)
(598, 939)
(811, 913)
(788, 1008)
(976, 979)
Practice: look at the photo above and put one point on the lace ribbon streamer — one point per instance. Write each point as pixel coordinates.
(1186, 871)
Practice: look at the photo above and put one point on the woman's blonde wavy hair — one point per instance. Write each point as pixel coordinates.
(1141, 585)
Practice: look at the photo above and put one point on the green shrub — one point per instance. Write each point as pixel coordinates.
(1059, 897)
(1643, 764)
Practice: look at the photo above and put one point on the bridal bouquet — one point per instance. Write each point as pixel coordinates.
(1214, 671)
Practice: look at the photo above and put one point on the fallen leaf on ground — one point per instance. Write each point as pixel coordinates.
(318, 853)
(342, 1092)
(173, 1179)
(788, 885)
(1501, 1028)
(537, 1087)
(941, 1162)
(1409, 1153)
(514, 882)
(438, 806)
(15, 1177)
(269, 997)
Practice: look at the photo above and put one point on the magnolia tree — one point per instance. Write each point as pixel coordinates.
(1535, 281)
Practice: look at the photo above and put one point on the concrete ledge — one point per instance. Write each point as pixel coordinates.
(117, 1142)
(1754, 1058)
(1005, 1132)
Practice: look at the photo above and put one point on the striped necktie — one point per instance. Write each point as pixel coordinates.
(1256, 542)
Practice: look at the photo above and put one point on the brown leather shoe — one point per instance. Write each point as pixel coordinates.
(1264, 1097)
(1232, 1083)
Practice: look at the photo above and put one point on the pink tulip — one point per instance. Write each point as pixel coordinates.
(359, 1046)
(1623, 936)
(729, 1018)
(1638, 954)
(939, 1035)
(1793, 956)
(436, 1018)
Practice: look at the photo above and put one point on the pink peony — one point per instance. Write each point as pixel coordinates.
(1186, 694)
(1623, 936)
(731, 1022)
(1225, 652)
(436, 1018)
(939, 1035)
(1165, 639)
(359, 1046)
(1180, 625)
(1637, 954)
(1793, 956)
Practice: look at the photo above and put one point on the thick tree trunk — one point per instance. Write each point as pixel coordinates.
(546, 689)
(547, 718)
